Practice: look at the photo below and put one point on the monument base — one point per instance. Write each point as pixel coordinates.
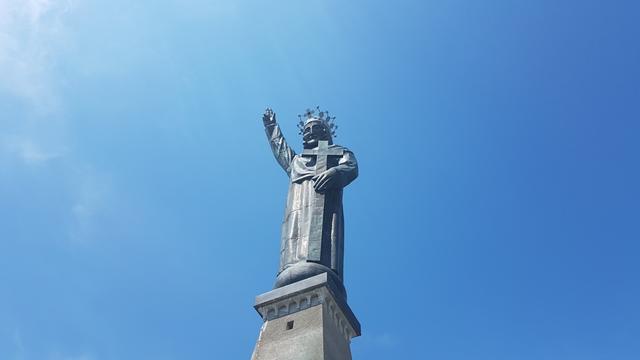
(306, 320)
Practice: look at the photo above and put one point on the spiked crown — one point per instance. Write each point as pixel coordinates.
(317, 115)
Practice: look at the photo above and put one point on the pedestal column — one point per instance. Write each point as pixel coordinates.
(306, 320)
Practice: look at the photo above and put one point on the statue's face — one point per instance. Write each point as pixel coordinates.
(315, 131)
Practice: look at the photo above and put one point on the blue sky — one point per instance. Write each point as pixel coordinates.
(496, 215)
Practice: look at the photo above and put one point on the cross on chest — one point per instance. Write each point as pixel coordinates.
(316, 222)
(322, 153)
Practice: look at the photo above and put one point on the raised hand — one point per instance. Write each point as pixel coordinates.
(326, 180)
(269, 117)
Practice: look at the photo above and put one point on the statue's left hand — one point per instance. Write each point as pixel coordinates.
(326, 180)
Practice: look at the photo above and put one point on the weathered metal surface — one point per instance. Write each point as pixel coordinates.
(312, 240)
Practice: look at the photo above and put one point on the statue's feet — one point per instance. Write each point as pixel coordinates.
(304, 270)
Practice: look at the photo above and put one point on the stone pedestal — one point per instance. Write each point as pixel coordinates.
(307, 320)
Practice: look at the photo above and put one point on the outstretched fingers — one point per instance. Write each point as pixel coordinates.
(325, 182)
(269, 116)
(318, 180)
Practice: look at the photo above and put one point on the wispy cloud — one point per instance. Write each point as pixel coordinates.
(19, 346)
(386, 340)
(28, 150)
(33, 39)
(90, 190)
(37, 8)
(93, 191)
(30, 32)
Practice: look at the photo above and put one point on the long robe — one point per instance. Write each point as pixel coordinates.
(294, 245)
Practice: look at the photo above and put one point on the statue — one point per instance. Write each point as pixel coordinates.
(312, 240)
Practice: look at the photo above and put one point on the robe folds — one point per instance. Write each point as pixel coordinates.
(294, 242)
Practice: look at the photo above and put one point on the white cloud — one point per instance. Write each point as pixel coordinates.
(19, 346)
(30, 33)
(31, 36)
(33, 39)
(90, 190)
(92, 198)
(27, 150)
(385, 340)
(37, 8)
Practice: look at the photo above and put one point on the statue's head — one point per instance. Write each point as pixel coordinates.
(316, 126)
(314, 131)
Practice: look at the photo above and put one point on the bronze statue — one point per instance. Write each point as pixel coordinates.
(312, 240)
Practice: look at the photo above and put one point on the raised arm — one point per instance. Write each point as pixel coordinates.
(282, 152)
